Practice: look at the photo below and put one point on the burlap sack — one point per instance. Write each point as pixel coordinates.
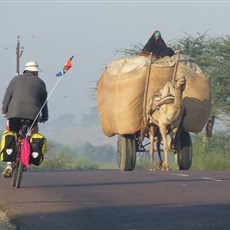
(127, 84)
(120, 101)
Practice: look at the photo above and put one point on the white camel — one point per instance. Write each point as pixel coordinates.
(166, 116)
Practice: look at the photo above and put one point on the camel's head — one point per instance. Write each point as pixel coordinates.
(180, 83)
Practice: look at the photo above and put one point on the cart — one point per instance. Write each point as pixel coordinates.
(129, 145)
(123, 94)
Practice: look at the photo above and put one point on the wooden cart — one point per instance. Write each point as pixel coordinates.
(129, 145)
(123, 94)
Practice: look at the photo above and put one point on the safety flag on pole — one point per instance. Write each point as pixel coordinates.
(67, 66)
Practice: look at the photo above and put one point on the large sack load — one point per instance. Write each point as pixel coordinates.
(127, 84)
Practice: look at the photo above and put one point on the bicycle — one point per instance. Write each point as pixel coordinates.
(18, 166)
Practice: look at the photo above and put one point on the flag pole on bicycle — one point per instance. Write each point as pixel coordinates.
(66, 67)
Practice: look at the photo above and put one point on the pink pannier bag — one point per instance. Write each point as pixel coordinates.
(25, 153)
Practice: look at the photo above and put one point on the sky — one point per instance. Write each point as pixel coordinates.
(53, 31)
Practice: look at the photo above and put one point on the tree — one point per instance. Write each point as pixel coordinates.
(212, 55)
(96, 154)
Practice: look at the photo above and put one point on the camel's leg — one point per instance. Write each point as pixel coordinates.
(165, 146)
(158, 143)
(172, 135)
(151, 150)
(171, 145)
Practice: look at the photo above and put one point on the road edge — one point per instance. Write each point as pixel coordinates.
(5, 223)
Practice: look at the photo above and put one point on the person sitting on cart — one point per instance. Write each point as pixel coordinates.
(23, 99)
(157, 47)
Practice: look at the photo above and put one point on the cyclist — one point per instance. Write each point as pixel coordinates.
(23, 99)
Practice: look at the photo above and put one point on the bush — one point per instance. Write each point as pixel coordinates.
(214, 155)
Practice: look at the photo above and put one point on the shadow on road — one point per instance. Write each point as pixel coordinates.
(132, 217)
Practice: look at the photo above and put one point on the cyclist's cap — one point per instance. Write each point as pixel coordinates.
(32, 66)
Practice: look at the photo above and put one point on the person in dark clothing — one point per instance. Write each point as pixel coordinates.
(157, 46)
(25, 98)
(25, 95)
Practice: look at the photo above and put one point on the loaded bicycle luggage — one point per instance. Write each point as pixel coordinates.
(8, 146)
(22, 149)
(38, 148)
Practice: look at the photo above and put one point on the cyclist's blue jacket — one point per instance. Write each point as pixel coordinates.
(24, 97)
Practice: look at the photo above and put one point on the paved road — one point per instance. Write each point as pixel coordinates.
(110, 199)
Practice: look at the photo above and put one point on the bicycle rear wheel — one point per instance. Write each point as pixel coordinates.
(15, 174)
(19, 175)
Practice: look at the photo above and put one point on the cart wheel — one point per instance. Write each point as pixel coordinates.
(126, 152)
(184, 158)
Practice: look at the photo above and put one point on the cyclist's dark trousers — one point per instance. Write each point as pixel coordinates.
(15, 124)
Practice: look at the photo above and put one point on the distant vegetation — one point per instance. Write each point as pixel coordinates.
(212, 55)
(214, 155)
(85, 157)
(211, 156)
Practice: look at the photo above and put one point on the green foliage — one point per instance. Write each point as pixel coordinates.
(214, 155)
(195, 47)
(142, 161)
(134, 50)
(212, 55)
(99, 154)
(85, 157)
(63, 157)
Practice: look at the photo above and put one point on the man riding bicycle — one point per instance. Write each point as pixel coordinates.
(23, 99)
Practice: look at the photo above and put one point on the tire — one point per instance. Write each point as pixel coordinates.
(16, 165)
(19, 175)
(15, 175)
(184, 158)
(126, 152)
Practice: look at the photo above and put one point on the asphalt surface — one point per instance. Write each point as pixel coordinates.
(111, 199)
